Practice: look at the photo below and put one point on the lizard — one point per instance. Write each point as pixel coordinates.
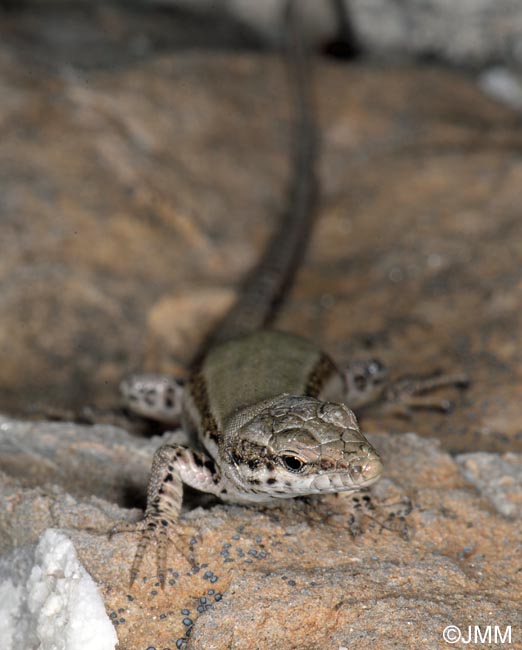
(267, 414)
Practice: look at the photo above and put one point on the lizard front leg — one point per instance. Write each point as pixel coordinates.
(172, 465)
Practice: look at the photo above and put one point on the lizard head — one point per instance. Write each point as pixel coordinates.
(301, 445)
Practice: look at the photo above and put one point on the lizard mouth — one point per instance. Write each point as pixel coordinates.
(360, 474)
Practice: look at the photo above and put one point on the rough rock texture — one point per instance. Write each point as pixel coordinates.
(49, 601)
(463, 32)
(135, 195)
(136, 191)
(293, 576)
(502, 85)
(498, 478)
(466, 32)
(80, 459)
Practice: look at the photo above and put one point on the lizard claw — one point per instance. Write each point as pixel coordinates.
(148, 528)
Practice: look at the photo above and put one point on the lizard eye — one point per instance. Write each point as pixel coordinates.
(292, 463)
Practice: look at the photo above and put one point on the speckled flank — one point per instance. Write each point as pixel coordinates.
(324, 370)
(198, 391)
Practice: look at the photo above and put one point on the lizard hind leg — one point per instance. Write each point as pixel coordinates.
(364, 382)
(410, 393)
(367, 386)
(153, 396)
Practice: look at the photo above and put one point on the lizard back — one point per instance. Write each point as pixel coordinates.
(261, 366)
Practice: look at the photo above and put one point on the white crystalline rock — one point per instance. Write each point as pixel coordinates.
(56, 606)
(10, 607)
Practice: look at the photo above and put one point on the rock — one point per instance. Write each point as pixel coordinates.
(80, 458)
(124, 236)
(50, 601)
(466, 33)
(501, 84)
(290, 576)
(499, 479)
(125, 183)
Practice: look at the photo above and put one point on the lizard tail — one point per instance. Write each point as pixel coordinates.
(265, 287)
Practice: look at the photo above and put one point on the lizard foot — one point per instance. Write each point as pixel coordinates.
(150, 529)
(387, 516)
(410, 393)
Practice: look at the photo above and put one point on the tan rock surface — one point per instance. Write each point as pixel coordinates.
(134, 198)
(293, 576)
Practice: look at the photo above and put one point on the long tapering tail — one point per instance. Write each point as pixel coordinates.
(264, 288)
